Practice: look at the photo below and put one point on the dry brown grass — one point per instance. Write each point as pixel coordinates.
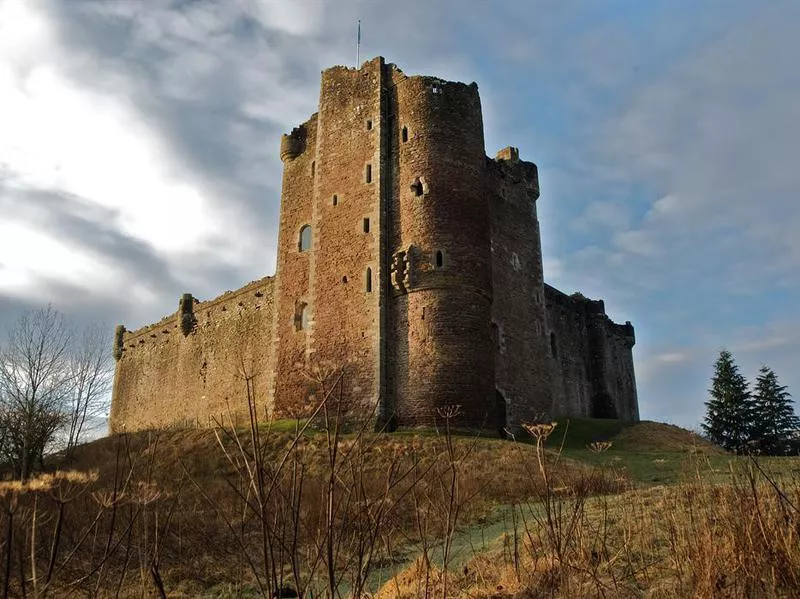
(176, 513)
(737, 540)
(163, 508)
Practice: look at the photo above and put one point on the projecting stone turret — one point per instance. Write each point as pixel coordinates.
(292, 145)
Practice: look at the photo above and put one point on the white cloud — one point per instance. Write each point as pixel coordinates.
(57, 136)
(41, 257)
(62, 137)
(290, 16)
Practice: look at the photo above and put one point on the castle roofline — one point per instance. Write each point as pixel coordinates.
(380, 60)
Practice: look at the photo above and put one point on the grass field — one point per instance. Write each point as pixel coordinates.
(598, 509)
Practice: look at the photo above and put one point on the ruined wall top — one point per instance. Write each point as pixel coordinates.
(579, 303)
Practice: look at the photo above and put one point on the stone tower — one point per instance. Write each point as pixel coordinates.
(392, 181)
(389, 178)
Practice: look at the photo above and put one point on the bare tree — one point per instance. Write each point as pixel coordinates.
(35, 383)
(91, 371)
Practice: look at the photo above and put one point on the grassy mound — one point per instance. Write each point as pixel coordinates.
(657, 436)
(578, 433)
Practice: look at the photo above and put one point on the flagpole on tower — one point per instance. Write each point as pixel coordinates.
(358, 45)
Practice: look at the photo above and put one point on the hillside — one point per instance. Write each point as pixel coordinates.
(185, 513)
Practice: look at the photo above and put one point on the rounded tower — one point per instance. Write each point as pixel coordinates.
(440, 262)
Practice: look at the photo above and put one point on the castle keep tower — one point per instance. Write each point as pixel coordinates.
(440, 295)
(389, 178)
(405, 256)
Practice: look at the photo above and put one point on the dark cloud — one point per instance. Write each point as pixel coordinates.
(665, 139)
(90, 228)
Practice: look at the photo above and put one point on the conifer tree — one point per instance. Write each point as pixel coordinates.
(775, 420)
(729, 411)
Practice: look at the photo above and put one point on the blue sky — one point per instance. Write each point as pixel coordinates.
(139, 154)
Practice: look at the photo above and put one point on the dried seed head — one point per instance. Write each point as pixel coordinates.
(599, 446)
(540, 431)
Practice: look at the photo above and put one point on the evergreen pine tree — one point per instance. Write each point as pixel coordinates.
(775, 420)
(729, 411)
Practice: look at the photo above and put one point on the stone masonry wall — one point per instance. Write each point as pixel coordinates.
(523, 368)
(166, 378)
(441, 347)
(347, 265)
(621, 380)
(331, 183)
(593, 359)
(291, 345)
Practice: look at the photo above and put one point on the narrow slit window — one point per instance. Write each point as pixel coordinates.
(304, 243)
(404, 134)
(369, 125)
(368, 280)
(368, 174)
(439, 259)
(313, 167)
(301, 317)
(553, 347)
(366, 225)
(335, 200)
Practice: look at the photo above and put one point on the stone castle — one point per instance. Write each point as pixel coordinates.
(405, 256)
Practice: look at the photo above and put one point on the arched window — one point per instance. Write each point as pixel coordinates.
(368, 280)
(439, 259)
(304, 243)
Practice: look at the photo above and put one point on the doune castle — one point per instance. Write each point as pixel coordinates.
(407, 257)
